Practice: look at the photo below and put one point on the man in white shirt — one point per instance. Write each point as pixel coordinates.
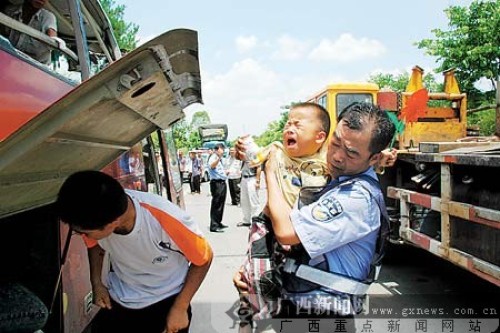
(233, 168)
(158, 256)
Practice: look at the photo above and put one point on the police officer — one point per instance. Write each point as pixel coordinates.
(218, 188)
(338, 231)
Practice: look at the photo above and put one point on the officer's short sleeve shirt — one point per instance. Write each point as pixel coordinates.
(342, 226)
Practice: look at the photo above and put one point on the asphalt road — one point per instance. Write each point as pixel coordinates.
(423, 292)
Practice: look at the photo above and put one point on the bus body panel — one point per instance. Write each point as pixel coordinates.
(50, 128)
(25, 91)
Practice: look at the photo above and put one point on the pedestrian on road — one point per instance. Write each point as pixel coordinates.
(250, 200)
(157, 253)
(233, 168)
(195, 173)
(218, 188)
(182, 161)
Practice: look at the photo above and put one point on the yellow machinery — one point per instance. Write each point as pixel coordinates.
(335, 97)
(443, 194)
(437, 123)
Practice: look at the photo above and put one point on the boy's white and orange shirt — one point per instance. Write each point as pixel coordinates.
(151, 262)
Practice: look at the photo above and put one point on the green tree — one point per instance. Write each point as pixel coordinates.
(485, 120)
(390, 81)
(399, 82)
(181, 131)
(125, 33)
(200, 118)
(471, 45)
(186, 135)
(274, 131)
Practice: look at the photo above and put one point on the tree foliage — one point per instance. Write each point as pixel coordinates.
(274, 131)
(125, 32)
(399, 82)
(471, 45)
(485, 120)
(186, 134)
(200, 118)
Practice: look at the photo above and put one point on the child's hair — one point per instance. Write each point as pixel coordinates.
(90, 200)
(322, 114)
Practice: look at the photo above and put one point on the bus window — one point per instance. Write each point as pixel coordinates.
(343, 100)
(128, 169)
(71, 53)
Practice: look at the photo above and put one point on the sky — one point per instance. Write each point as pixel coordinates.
(258, 56)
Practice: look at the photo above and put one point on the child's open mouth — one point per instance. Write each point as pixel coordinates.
(290, 143)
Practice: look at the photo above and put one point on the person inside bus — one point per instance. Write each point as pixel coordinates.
(32, 13)
(158, 255)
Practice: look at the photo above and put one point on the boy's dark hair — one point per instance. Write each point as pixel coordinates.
(358, 115)
(90, 200)
(322, 114)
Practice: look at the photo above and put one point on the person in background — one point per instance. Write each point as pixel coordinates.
(195, 172)
(158, 254)
(161, 172)
(202, 168)
(249, 195)
(32, 13)
(218, 188)
(233, 168)
(182, 161)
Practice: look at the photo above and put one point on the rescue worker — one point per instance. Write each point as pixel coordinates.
(338, 232)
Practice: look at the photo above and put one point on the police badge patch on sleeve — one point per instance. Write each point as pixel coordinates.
(326, 209)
